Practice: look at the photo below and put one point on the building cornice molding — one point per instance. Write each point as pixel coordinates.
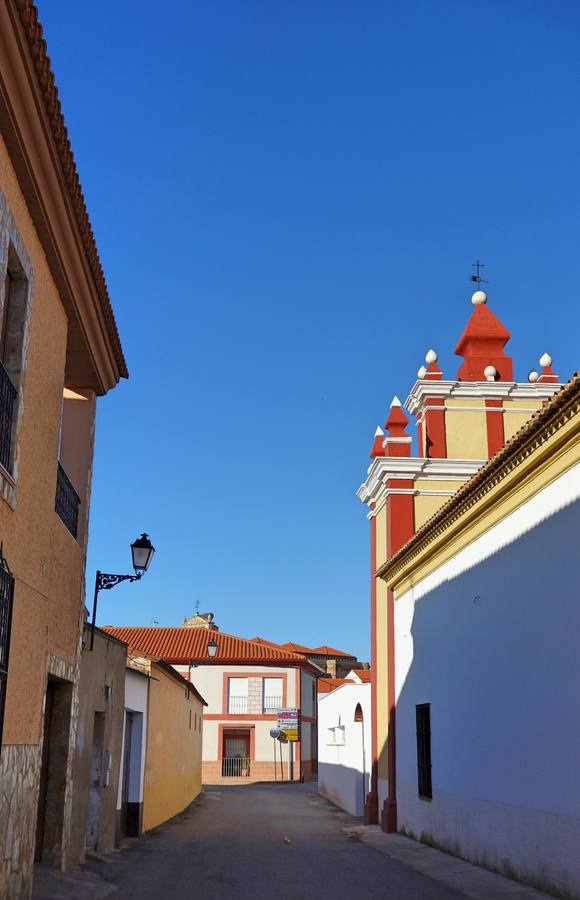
(386, 468)
(536, 444)
(484, 390)
(33, 128)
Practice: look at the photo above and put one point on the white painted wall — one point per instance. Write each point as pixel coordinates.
(490, 640)
(344, 769)
(136, 693)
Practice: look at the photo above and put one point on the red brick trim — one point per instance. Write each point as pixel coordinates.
(494, 424)
(434, 419)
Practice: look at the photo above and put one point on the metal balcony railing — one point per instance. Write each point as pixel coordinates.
(8, 395)
(67, 501)
(272, 704)
(238, 767)
(238, 706)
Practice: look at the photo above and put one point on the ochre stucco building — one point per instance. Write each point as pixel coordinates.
(461, 422)
(59, 351)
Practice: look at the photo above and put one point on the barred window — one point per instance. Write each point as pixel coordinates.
(423, 714)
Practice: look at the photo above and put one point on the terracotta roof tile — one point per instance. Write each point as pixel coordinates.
(363, 674)
(180, 645)
(330, 651)
(296, 648)
(28, 14)
(327, 685)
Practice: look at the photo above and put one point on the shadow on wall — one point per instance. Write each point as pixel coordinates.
(345, 787)
(493, 650)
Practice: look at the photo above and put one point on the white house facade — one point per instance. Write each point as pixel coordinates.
(344, 745)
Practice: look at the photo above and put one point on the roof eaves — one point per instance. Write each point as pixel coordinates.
(28, 14)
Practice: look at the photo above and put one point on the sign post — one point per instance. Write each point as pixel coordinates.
(289, 727)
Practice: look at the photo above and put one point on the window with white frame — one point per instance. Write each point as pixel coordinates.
(272, 694)
(237, 696)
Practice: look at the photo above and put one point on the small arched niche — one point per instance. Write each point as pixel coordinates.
(358, 713)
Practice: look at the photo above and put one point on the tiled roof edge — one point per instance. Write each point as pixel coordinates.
(28, 14)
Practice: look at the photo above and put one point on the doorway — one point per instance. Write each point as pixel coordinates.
(131, 788)
(53, 772)
(95, 783)
(236, 754)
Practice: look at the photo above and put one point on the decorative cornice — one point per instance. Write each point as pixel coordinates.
(28, 15)
(396, 467)
(545, 423)
(484, 390)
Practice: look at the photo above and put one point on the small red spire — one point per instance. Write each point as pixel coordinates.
(397, 421)
(397, 442)
(481, 344)
(377, 449)
(547, 375)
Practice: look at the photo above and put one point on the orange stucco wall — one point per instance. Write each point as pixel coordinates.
(46, 561)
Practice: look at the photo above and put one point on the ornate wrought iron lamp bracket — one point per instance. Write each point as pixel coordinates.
(104, 581)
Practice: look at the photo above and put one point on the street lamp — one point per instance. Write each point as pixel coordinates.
(142, 551)
(212, 648)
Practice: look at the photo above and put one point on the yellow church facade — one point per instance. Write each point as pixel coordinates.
(460, 423)
(485, 628)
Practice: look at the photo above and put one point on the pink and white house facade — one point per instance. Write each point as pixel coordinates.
(245, 683)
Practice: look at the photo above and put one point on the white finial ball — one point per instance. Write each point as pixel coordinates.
(533, 376)
(431, 357)
(545, 360)
(490, 372)
(479, 297)
(422, 372)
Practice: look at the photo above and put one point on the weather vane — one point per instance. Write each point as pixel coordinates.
(477, 265)
(197, 607)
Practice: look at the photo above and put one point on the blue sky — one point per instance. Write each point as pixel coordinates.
(287, 199)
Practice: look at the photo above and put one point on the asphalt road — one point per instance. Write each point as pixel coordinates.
(230, 845)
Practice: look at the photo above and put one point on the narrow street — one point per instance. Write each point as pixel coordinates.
(230, 844)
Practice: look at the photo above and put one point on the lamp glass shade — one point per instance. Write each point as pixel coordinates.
(142, 551)
(212, 648)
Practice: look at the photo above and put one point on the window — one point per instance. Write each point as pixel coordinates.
(423, 713)
(272, 694)
(12, 323)
(237, 696)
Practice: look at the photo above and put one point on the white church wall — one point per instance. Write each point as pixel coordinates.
(344, 747)
(490, 641)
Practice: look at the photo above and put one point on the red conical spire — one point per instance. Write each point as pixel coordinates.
(397, 442)
(397, 421)
(481, 344)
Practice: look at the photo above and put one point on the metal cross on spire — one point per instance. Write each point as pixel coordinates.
(477, 265)
(197, 607)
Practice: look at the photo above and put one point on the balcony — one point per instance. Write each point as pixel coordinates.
(238, 706)
(8, 396)
(272, 704)
(67, 502)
